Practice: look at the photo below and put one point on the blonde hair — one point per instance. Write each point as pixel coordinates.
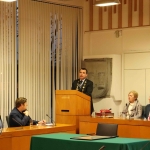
(134, 93)
(20, 100)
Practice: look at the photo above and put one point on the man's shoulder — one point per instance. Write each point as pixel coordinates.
(76, 80)
(14, 110)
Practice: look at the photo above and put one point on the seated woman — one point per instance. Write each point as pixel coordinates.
(133, 109)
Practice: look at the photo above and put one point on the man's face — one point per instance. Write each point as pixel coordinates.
(24, 106)
(131, 97)
(82, 74)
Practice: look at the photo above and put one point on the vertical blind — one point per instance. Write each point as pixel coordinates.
(8, 83)
(44, 56)
(50, 51)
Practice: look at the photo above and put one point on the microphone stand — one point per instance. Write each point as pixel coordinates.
(18, 123)
(51, 120)
(102, 148)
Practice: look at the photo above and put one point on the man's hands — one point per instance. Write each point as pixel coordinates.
(42, 122)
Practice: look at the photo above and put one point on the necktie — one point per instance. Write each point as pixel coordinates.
(80, 83)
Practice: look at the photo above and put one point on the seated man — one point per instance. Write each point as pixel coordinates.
(19, 116)
(147, 110)
(133, 108)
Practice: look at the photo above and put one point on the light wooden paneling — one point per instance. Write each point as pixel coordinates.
(5, 143)
(130, 13)
(70, 104)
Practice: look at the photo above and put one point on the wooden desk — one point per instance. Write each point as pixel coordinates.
(19, 138)
(126, 128)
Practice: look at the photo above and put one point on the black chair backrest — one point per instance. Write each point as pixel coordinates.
(107, 129)
(143, 112)
(7, 120)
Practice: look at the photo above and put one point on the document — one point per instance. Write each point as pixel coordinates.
(89, 137)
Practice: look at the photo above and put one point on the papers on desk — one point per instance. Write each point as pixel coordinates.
(49, 124)
(95, 137)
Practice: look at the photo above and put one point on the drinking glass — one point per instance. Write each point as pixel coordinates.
(31, 122)
(103, 114)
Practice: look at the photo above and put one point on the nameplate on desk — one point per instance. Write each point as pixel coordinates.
(18, 128)
(95, 137)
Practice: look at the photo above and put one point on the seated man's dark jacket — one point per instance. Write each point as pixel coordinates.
(16, 119)
(147, 111)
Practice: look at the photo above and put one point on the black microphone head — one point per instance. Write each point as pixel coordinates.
(46, 114)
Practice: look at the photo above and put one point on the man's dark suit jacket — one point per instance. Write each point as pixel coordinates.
(16, 119)
(147, 111)
(87, 90)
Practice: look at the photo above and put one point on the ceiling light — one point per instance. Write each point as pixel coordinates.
(102, 3)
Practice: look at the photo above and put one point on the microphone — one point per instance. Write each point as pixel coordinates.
(17, 122)
(102, 148)
(51, 119)
(126, 109)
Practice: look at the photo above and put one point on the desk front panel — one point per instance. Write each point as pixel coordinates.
(19, 138)
(126, 128)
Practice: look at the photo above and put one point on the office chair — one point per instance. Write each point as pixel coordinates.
(1, 125)
(107, 129)
(7, 120)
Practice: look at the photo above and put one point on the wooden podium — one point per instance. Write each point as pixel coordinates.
(70, 104)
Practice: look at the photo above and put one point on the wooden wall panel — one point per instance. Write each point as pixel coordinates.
(125, 15)
(146, 12)
(141, 13)
(105, 18)
(91, 14)
(135, 13)
(130, 13)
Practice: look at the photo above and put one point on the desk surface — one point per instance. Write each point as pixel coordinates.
(36, 129)
(59, 141)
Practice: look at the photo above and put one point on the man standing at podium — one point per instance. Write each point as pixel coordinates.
(84, 85)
